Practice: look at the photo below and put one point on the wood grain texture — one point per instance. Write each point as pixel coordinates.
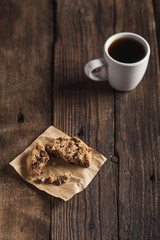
(137, 134)
(26, 35)
(122, 201)
(85, 109)
(156, 7)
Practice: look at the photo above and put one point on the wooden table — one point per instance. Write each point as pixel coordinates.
(44, 46)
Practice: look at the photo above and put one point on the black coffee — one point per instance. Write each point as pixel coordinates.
(127, 50)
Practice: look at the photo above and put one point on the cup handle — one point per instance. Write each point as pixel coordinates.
(92, 65)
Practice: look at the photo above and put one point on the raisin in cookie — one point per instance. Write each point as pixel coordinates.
(37, 160)
(71, 149)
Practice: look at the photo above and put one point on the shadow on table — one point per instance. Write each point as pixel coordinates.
(72, 87)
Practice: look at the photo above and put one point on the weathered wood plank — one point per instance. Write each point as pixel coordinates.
(26, 30)
(156, 6)
(137, 133)
(85, 109)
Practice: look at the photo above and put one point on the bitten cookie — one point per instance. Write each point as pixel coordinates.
(37, 160)
(71, 149)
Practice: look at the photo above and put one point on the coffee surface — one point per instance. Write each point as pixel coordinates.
(127, 50)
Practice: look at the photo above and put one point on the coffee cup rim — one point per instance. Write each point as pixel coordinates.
(135, 36)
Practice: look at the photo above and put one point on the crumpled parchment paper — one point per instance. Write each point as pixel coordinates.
(81, 176)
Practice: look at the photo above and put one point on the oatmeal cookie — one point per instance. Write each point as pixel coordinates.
(70, 149)
(37, 160)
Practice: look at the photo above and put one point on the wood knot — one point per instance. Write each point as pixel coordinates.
(91, 224)
(81, 132)
(83, 11)
(114, 159)
(152, 177)
(20, 117)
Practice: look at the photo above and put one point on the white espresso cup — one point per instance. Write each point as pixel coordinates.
(122, 75)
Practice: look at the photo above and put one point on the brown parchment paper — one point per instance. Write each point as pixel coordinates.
(81, 177)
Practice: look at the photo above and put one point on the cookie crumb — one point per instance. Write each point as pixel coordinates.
(63, 179)
(41, 179)
(58, 181)
(52, 178)
(66, 177)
